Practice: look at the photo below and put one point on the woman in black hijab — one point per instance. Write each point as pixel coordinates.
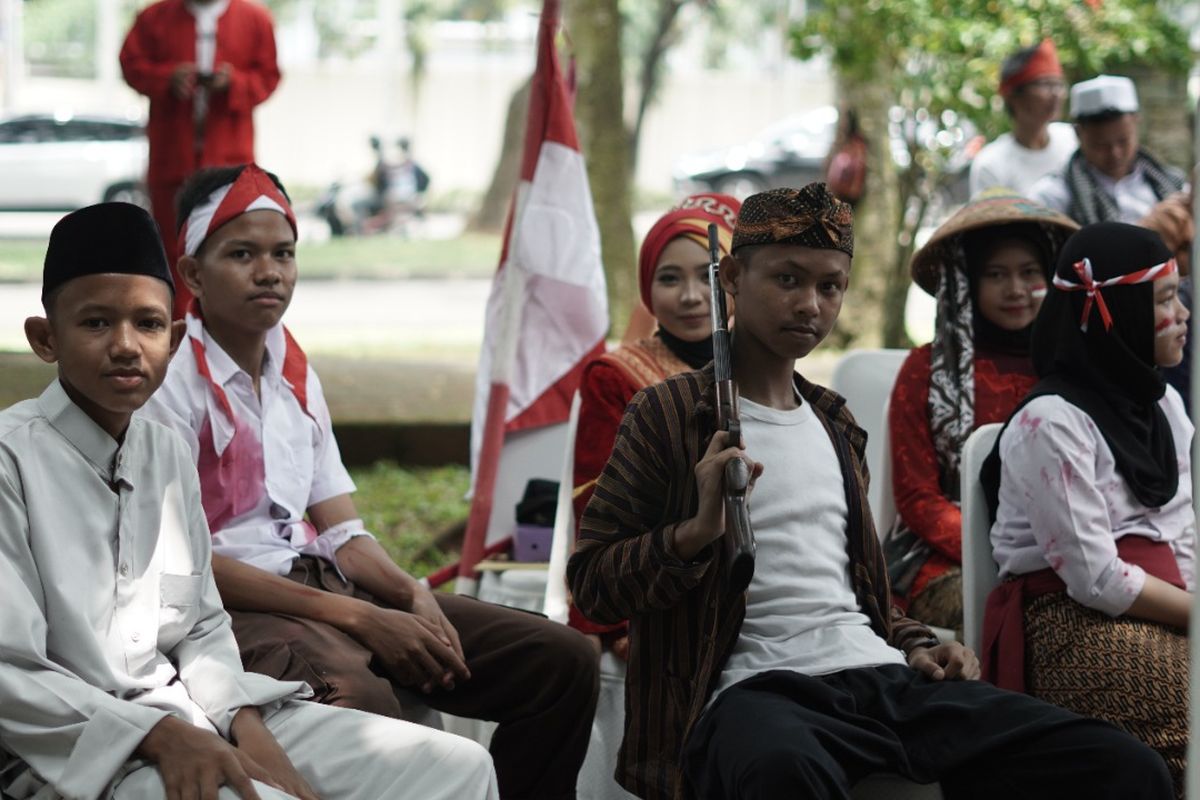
(1094, 526)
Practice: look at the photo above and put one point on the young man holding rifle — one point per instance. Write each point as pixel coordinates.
(809, 680)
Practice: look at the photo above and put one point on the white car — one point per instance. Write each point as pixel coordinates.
(57, 163)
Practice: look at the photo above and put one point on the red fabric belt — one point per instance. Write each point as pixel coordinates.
(1003, 657)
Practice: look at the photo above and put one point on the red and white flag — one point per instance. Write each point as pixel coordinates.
(548, 313)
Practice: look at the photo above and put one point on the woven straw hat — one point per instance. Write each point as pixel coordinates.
(993, 207)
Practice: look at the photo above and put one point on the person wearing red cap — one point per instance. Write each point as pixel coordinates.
(1031, 83)
(310, 592)
(204, 65)
(673, 279)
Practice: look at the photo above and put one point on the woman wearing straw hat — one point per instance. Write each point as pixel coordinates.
(987, 266)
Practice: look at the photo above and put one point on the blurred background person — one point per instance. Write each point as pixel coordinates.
(1032, 85)
(204, 65)
(1111, 178)
(846, 166)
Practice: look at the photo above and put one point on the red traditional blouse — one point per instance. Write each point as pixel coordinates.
(609, 382)
(1001, 382)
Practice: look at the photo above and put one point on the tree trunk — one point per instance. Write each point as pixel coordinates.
(870, 302)
(493, 209)
(650, 75)
(595, 29)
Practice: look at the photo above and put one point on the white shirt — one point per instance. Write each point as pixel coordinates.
(111, 616)
(1063, 504)
(801, 611)
(1006, 162)
(206, 16)
(1133, 193)
(284, 460)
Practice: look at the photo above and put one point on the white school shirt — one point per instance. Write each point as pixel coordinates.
(1008, 163)
(293, 461)
(1133, 193)
(1063, 504)
(111, 619)
(801, 611)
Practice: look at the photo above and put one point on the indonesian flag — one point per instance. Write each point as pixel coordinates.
(547, 313)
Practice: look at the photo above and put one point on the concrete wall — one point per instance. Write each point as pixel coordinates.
(315, 127)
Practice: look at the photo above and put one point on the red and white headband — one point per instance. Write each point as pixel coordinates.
(252, 191)
(1089, 284)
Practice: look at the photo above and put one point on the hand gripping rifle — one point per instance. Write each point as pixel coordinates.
(739, 535)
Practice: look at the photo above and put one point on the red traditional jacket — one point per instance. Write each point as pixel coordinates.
(1001, 382)
(164, 36)
(609, 382)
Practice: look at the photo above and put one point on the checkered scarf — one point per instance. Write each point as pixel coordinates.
(1090, 203)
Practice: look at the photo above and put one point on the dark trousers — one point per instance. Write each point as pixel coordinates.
(537, 679)
(785, 735)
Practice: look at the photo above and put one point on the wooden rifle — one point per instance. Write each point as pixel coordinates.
(739, 535)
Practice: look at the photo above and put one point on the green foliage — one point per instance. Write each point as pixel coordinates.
(937, 62)
(946, 54)
(60, 35)
(407, 510)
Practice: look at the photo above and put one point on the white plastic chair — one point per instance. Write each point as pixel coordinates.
(555, 605)
(980, 574)
(865, 379)
(883, 507)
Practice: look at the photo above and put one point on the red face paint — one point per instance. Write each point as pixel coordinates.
(1162, 326)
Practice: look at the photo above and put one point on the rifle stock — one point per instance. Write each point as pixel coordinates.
(739, 533)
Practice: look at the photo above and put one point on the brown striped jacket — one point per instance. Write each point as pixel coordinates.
(684, 621)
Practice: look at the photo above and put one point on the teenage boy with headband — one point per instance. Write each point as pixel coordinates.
(312, 595)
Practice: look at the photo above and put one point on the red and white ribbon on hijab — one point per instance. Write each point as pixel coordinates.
(1089, 284)
(253, 190)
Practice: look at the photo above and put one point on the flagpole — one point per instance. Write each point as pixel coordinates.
(505, 353)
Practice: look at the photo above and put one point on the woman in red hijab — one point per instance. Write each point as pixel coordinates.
(673, 278)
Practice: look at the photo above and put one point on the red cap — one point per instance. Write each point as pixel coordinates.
(1042, 63)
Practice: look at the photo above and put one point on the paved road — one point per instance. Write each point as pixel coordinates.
(433, 318)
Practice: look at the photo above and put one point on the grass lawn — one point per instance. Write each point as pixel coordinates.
(407, 509)
(472, 255)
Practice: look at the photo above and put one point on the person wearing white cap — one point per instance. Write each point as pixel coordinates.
(1111, 178)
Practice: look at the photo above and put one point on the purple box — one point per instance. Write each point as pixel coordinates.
(532, 543)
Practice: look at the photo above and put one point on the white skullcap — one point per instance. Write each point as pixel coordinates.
(1104, 93)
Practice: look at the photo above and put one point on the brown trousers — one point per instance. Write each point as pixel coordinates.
(537, 679)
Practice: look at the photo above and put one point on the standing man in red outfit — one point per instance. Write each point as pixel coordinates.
(205, 65)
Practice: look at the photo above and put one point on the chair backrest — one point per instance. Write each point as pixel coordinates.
(980, 574)
(883, 500)
(555, 605)
(865, 379)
